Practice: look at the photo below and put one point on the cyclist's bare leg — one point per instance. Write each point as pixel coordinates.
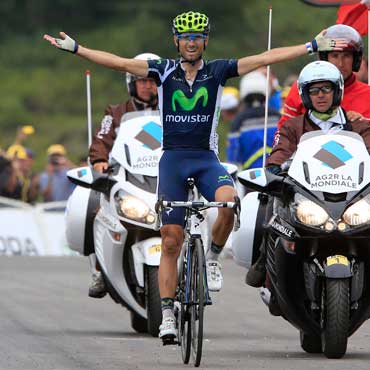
(172, 239)
(225, 218)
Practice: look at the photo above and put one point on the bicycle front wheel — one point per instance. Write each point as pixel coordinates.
(183, 319)
(197, 300)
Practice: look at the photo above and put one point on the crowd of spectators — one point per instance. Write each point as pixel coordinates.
(19, 181)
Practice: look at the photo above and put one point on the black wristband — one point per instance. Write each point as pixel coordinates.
(75, 48)
(314, 45)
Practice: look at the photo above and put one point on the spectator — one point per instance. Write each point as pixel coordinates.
(247, 130)
(22, 134)
(274, 89)
(53, 183)
(230, 101)
(8, 180)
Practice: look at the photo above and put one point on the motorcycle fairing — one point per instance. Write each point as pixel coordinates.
(255, 176)
(281, 227)
(332, 163)
(146, 252)
(110, 255)
(138, 146)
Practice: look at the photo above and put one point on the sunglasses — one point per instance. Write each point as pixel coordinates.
(191, 36)
(325, 89)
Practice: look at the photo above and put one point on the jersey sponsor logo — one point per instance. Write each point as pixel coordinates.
(179, 98)
(200, 118)
(224, 178)
(106, 124)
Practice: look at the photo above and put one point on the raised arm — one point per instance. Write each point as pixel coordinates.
(283, 54)
(135, 66)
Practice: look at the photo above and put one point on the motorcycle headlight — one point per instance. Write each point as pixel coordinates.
(358, 213)
(308, 212)
(133, 208)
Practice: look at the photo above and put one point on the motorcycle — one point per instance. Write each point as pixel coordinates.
(113, 216)
(313, 222)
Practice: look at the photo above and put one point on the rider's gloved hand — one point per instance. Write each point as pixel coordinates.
(275, 169)
(65, 43)
(322, 43)
(101, 167)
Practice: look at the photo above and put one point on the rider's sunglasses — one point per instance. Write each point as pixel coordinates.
(191, 36)
(325, 89)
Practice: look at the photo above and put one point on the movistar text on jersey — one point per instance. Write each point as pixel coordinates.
(187, 119)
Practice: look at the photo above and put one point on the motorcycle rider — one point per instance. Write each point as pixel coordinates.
(143, 96)
(189, 95)
(321, 86)
(356, 93)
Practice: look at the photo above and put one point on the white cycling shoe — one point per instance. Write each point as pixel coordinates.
(214, 275)
(167, 330)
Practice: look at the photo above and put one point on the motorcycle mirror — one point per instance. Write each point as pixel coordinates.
(261, 180)
(88, 178)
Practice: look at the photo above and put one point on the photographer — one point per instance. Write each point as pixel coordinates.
(53, 183)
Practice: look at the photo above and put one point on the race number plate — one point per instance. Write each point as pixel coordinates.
(155, 249)
(337, 259)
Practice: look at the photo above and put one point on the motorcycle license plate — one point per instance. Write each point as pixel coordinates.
(155, 249)
(337, 259)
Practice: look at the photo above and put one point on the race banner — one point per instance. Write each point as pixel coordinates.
(32, 230)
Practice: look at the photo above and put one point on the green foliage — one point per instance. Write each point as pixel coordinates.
(45, 87)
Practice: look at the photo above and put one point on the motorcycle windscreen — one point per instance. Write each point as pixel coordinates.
(138, 146)
(332, 163)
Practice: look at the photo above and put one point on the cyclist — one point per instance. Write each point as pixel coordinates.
(190, 90)
(356, 94)
(143, 96)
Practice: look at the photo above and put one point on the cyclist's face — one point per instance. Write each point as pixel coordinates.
(343, 60)
(321, 94)
(191, 45)
(146, 88)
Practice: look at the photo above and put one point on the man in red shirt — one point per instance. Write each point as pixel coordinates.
(356, 96)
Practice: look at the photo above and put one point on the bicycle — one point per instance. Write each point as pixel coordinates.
(192, 293)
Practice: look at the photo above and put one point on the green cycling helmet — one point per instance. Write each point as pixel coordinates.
(190, 22)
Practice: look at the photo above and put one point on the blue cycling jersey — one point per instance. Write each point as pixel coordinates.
(190, 112)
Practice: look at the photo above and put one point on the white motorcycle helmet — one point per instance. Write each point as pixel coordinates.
(316, 72)
(130, 78)
(253, 83)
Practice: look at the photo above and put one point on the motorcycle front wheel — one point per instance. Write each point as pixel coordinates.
(335, 317)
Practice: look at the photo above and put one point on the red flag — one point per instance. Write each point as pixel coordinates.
(354, 16)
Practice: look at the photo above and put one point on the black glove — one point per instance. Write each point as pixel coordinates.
(275, 169)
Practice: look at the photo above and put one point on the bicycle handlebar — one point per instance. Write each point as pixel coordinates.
(197, 204)
(200, 206)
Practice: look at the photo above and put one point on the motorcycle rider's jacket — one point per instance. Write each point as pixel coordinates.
(190, 109)
(356, 98)
(103, 140)
(288, 136)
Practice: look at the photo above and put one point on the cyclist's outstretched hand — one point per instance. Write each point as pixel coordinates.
(65, 43)
(322, 43)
